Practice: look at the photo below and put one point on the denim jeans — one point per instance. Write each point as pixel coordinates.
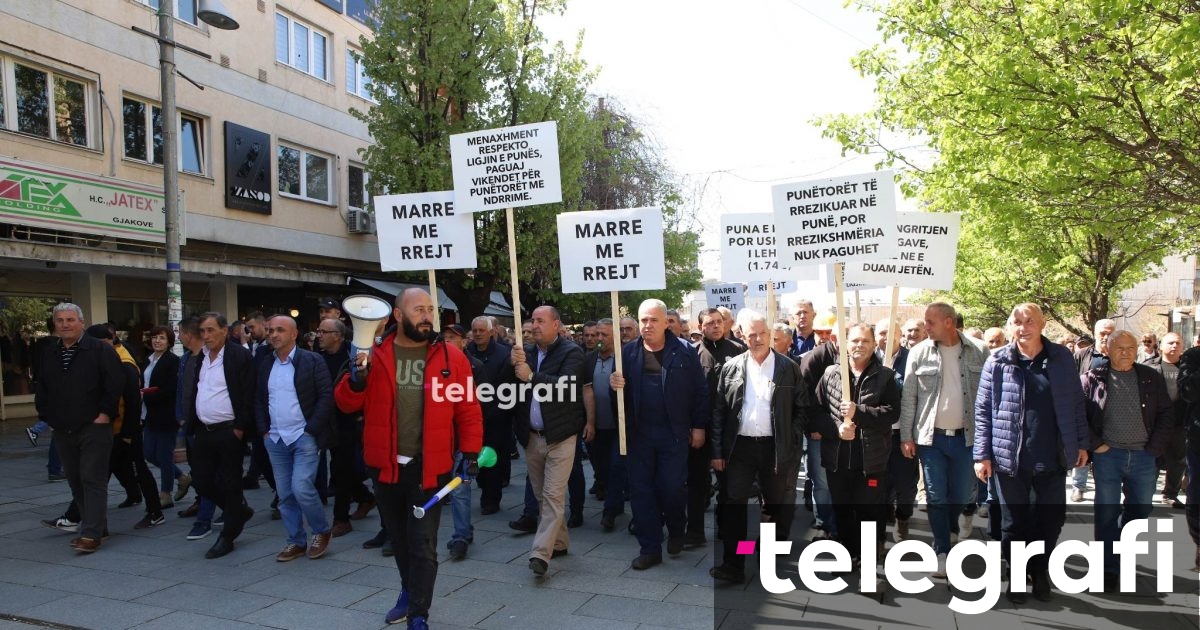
(949, 484)
(1079, 478)
(460, 508)
(822, 499)
(159, 449)
(1118, 472)
(295, 467)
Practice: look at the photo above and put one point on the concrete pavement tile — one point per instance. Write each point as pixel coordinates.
(378, 577)
(638, 611)
(95, 612)
(692, 595)
(521, 618)
(586, 564)
(110, 585)
(671, 571)
(217, 602)
(316, 591)
(17, 598)
(32, 573)
(615, 586)
(452, 611)
(295, 615)
(120, 555)
(327, 567)
(208, 572)
(527, 595)
(181, 620)
(515, 572)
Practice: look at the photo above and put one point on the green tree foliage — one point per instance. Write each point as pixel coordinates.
(442, 67)
(1065, 131)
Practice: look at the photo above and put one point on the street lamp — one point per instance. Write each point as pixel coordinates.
(213, 13)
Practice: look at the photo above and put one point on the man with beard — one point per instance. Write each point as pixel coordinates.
(410, 431)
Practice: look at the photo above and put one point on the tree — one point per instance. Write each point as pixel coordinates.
(442, 67)
(1064, 131)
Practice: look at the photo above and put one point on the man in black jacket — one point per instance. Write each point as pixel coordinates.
(497, 418)
(758, 422)
(858, 435)
(348, 473)
(1189, 391)
(549, 420)
(78, 386)
(1173, 463)
(218, 408)
(714, 351)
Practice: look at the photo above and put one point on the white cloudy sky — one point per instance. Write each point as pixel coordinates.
(730, 89)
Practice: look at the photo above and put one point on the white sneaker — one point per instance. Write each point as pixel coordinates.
(966, 526)
(982, 511)
(953, 539)
(941, 570)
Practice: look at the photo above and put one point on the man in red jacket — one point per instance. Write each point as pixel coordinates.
(418, 407)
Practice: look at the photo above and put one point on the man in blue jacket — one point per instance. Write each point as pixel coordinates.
(666, 412)
(294, 415)
(1030, 428)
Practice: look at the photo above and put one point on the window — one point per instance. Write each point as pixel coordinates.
(142, 131)
(185, 10)
(357, 82)
(359, 10)
(42, 102)
(300, 46)
(356, 185)
(303, 173)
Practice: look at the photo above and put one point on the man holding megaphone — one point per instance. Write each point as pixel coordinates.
(410, 433)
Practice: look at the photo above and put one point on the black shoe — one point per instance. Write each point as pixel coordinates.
(608, 522)
(488, 509)
(130, 502)
(674, 545)
(387, 551)
(538, 566)
(458, 549)
(726, 573)
(601, 494)
(526, 524)
(1112, 583)
(249, 514)
(1013, 596)
(191, 511)
(220, 548)
(576, 520)
(558, 553)
(376, 542)
(249, 483)
(645, 561)
(1041, 586)
(694, 539)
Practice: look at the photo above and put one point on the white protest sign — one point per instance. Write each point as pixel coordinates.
(928, 244)
(727, 294)
(748, 247)
(424, 231)
(759, 289)
(847, 285)
(509, 167)
(834, 220)
(611, 250)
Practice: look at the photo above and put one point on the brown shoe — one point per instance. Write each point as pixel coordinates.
(290, 552)
(85, 545)
(341, 528)
(901, 530)
(363, 510)
(319, 545)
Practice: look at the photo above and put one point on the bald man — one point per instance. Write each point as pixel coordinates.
(294, 413)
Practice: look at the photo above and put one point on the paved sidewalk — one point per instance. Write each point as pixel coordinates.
(156, 579)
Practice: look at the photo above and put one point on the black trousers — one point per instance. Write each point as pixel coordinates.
(348, 478)
(127, 461)
(1029, 521)
(414, 539)
(260, 462)
(497, 433)
(85, 453)
(856, 499)
(217, 472)
(754, 459)
(1174, 464)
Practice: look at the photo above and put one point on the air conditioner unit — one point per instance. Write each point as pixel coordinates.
(359, 222)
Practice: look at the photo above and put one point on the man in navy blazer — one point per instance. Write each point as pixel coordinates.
(294, 414)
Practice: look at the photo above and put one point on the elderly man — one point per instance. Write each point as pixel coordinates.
(497, 418)
(1030, 428)
(714, 351)
(347, 476)
(994, 338)
(548, 426)
(1086, 359)
(914, 332)
(937, 421)
(758, 422)
(294, 412)
(410, 436)
(628, 330)
(781, 338)
(1130, 417)
(803, 340)
(666, 411)
(77, 388)
(218, 409)
(1174, 461)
